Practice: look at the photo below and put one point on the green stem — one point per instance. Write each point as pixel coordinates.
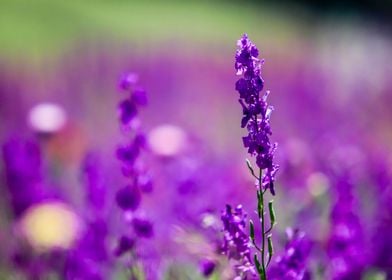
(264, 276)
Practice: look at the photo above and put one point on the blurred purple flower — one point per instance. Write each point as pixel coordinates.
(88, 259)
(94, 182)
(128, 198)
(22, 165)
(124, 245)
(127, 81)
(346, 243)
(236, 243)
(128, 111)
(207, 267)
(128, 108)
(143, 227)
(292, 264)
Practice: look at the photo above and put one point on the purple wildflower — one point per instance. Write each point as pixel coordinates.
(236, 240)
(291, 265)
(129, 197)
(346, 241)
(256, 111)
(128, 108)
(22, 162)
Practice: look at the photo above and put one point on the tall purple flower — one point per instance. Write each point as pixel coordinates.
(23, 173)
(346, 242)
(129, 197)
(256, 111)
(256, 118)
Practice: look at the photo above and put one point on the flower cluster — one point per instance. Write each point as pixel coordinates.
(256, 111)
(22, 162)
(236, 243)
(129, 197)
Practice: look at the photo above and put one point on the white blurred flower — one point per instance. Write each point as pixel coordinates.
(47, 117)
(167, 140)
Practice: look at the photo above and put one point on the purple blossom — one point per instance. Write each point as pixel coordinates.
(128, 198)
(88, 259)
(256, 111)
(143, 227)
(124, 245)
(128, 108)
(23, 172)
(128, 154)
(139, 97)
(127, 81)
(236, 243)
(292, 264)
(346, 241)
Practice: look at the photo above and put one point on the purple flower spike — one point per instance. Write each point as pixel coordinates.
(128, 108)
(22, 166)
(133, 168)
(236, 240)
(143, 227)
(256, 111)
(128, 198)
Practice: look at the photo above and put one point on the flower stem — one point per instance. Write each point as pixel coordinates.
(261, 218)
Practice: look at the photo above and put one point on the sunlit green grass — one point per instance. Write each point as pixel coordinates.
(44, 27)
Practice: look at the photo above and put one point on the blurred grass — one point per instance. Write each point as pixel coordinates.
(43, 27)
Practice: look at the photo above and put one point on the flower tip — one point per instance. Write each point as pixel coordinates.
(127, 80)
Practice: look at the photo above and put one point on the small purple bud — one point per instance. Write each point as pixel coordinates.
(127, 111)
(128, 198)
(128, 154)
(145, 183)
(139, 97)
(125, 244)
(127, 81)
(207, 267)
(142, 227)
